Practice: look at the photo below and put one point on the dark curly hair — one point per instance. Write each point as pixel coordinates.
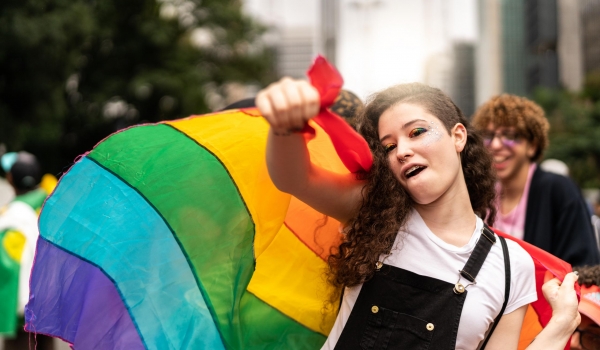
(588, 275)
(524, 115)
(386, 205)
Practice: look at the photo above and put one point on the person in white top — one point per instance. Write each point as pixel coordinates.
(411, 224)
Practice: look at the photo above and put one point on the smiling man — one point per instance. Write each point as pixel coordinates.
(544, 209)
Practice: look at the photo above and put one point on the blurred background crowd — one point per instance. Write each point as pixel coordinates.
(74, 71)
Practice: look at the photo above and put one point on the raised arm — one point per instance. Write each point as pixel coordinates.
(287, 105)
(565, 317)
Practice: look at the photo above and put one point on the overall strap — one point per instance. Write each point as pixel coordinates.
(506, 290)
(480, 252)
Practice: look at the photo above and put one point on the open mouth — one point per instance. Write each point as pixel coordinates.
(414, 171)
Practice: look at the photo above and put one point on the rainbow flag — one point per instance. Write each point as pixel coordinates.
(172, 236)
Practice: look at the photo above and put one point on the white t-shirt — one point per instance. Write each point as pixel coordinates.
(419, 250)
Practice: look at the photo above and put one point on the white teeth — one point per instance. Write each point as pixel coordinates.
(409, 171)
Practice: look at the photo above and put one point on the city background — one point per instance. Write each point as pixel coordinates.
(73, 72)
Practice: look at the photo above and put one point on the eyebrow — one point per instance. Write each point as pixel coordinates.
(406, 125)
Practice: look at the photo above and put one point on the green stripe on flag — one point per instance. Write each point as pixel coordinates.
(267, 328)
(195, 194)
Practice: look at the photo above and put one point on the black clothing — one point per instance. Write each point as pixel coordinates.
(399, 309)
(557, 219)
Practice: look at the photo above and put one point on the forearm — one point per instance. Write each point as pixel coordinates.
(555, 335)
(288, 161)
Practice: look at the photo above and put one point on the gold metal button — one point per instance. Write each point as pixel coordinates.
(459, 288)
(429, 327)
(374, 309)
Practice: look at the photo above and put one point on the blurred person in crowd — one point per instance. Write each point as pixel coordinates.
(542, 208)
(555, 166)
(587, 335)
(18, 236)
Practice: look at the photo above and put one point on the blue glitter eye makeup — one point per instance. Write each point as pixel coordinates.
(416, 132)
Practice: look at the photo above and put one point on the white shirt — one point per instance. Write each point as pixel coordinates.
(419, 250)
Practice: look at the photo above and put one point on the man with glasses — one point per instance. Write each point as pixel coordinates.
(544, 209)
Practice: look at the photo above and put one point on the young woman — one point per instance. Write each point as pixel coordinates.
(541, 208)
(419, 267)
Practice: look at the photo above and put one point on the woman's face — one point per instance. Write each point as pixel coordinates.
(510, 151)
(421, 153)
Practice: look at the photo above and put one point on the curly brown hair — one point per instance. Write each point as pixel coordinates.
(524, 115)
(386, 204)
(588, 275)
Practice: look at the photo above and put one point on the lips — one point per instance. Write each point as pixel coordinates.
(500, 162)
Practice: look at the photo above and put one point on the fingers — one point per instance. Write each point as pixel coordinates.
(554, 286)
(551, 285)
(568, 282)
(288, 104)
(312, 100)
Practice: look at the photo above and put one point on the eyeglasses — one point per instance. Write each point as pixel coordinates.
(589, 340)
(507, 138)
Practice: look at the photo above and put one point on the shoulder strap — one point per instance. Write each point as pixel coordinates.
(506, 290)
(479, 254)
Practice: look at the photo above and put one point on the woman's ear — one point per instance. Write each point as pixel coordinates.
(459, 134)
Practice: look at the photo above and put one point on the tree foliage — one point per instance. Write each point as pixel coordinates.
(575, 131)
(73, 71)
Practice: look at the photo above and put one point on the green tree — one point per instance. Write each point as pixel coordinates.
(73, 71)
(574, 133)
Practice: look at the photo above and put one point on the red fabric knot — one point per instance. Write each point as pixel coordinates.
(352, 149)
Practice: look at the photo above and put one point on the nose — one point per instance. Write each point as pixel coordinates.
(495, 143)
(403, 153)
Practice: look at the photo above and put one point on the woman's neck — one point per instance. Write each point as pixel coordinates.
(512, 189)
(451, 216)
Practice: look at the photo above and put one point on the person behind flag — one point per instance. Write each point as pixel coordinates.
(18, 236)
(587, 334)
(418, 266)
(539, 207)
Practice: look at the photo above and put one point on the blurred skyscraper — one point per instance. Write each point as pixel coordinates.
(293, 31)
(526, 44)
(463, 77)
(378, 43)
(590, 23)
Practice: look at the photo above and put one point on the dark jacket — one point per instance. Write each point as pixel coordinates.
(558, 221)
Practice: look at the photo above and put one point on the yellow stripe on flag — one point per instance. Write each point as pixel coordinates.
(291, 278)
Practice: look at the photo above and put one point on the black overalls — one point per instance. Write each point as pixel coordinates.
(399, 309)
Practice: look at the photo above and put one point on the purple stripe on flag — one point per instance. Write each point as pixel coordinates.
(74, 300)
